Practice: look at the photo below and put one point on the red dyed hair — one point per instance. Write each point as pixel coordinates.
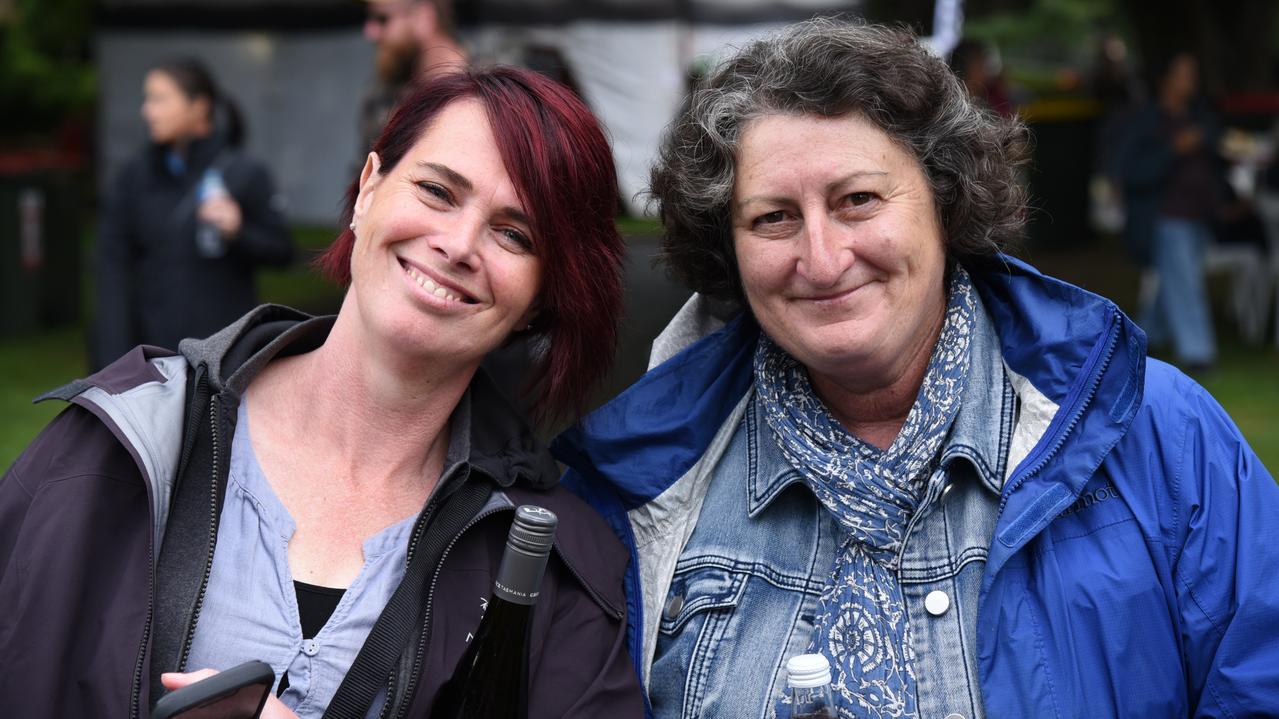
(560, 163)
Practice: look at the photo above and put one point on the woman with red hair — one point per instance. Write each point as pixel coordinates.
(279, 490)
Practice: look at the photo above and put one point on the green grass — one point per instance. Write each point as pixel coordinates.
(1247, 385)
(638, 225)
(31, 365)
(298, 286)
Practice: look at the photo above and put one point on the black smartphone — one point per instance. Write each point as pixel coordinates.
(237, 693)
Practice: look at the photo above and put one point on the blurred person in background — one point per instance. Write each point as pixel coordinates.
(1118, 91)
(977, 67)
(1170, 169)
(260, 494)
(416, 40)
(185, 222)
(961, 481)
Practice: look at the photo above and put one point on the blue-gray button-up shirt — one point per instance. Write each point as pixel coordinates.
(250, 607)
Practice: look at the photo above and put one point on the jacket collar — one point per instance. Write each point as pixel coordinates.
(1075, 348)
(987, 394)
(486, 432)
(1079, 352)
(200, 153)
(654, 432)
(1085, 357)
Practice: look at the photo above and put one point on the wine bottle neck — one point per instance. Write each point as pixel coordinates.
(519, 579)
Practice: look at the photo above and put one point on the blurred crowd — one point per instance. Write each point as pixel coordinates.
(1188, 194)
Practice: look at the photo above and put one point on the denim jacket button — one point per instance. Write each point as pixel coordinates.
(673, 606)
(954, 716)
(937, 603)
(945, 491)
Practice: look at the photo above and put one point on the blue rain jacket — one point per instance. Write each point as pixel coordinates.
(1134, 568)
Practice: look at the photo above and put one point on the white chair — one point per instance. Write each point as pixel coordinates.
(1267, 204)
(1252, 285)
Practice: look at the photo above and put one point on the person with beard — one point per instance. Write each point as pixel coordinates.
(415, 42)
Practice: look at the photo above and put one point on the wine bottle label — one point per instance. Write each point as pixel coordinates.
(519, 579)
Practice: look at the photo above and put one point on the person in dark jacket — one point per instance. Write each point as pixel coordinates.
(185, 221)
(1172, 182)
(287, 488)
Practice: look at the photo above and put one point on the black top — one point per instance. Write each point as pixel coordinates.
(315, 606)
(1191, 189)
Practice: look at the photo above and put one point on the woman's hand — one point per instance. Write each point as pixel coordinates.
(223, 213)
(274, 708)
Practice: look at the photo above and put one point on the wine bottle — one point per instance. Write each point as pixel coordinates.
(491, 679)
(808, 680)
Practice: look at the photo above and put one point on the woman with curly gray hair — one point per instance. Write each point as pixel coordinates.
(873, 436)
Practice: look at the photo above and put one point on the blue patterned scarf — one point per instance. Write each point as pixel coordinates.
(862, 624)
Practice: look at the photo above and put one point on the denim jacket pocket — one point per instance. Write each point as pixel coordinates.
(699, 590)
(700, 608)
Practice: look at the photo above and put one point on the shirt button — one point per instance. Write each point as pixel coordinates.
(673, 606)
(937, 603)
(310, 647)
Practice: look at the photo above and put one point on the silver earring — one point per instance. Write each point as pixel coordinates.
(353, 225)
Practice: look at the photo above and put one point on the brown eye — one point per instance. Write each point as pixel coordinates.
(770, 218)
(861, 198)
(515, 241)
(435, 190)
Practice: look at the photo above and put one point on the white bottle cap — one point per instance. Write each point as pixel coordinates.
(807, 671)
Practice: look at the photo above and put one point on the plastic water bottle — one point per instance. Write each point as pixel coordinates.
(208, 237)
(808, 681)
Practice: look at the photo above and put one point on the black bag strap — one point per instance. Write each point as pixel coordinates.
(371, 671)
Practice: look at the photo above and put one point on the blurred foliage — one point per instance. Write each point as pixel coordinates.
(1045, 28)
(46, 75)
(1046, 45)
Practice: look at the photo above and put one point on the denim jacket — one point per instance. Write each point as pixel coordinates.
(1130, 568)
(745, 588)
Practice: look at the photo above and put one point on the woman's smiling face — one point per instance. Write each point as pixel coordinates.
(838, 244)
(445, 261)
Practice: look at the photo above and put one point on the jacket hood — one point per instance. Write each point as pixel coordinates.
(233, 356)
(501, 443)
(1082, 353)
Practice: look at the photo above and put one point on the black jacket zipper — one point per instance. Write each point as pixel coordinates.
(135, 710)
(424, 632)
(213, 533)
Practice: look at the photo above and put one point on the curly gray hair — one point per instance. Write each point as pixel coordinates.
(830, 68)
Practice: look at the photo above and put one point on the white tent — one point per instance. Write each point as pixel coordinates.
(631, 59)
(299, 67)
